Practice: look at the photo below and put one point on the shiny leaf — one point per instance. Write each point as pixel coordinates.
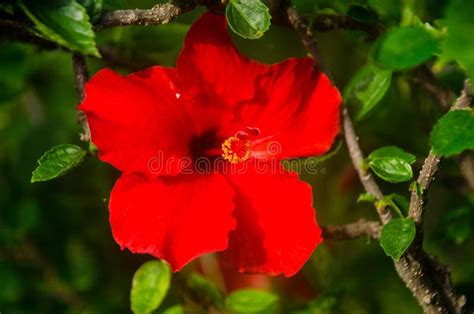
(65, 22)
(149, 286)
(251, 301)
(397, 236)
(405, 47)
(366, 88)
(248, 18)
(58, 161)
(453, 133)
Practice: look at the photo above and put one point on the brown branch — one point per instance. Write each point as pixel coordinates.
(81, 76)
(466, 165)
(428, 281)
(361, 228)
(423, 76)
(331, 22)
(430, 166)
(351, 138)
(159, 14)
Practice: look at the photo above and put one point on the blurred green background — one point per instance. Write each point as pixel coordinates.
(57, 254)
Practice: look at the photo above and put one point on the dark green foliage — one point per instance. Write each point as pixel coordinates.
(57, 254)
(396, 236)
(248, 18)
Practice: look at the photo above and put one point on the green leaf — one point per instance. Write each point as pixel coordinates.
(397, 236)
(58, 161)
(175, 309)
(65, 22)
(248, 18)
(391, 164)
(392, 151)
(459, 44)
(251, 301)
(405, 47)
(366, 88)
(391, 169)
(453, 133)
(149, 286)
(366, 197)
(397, 202)
(205, 290)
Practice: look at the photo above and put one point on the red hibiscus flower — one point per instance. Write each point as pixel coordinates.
(216, 105)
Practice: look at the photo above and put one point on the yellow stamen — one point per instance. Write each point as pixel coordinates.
(236, 150)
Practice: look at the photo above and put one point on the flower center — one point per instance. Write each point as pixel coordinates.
(235, 149)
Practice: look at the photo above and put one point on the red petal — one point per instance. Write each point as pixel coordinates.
(175, 218)
(136, 121)
(213, 75)
(298, 108)
(276, 226)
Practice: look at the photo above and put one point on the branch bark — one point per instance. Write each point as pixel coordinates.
(159, 14)
(423, 76)
(429, 281)
(355, 230)
(81, 76)
(431, 164)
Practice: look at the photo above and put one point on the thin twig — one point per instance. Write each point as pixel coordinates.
(466, 165)
(330, 22)
(81, 76)
(351, 138)
(307, 37)
(159, 14)
(430, 166)
(428, 281)
(355, 230)
(423, 76)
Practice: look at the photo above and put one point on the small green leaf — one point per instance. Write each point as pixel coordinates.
(453, 133)
(459, 44)
(366, 88)
(397, 202)
(248, 18)
(405, 47)
(392, 151)
(366, 197)
(205, 290)
(391, 169)
(58, 161)
(251, 301)
(397, 236)
(65, 22)
(149, 286)
(175, 309)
